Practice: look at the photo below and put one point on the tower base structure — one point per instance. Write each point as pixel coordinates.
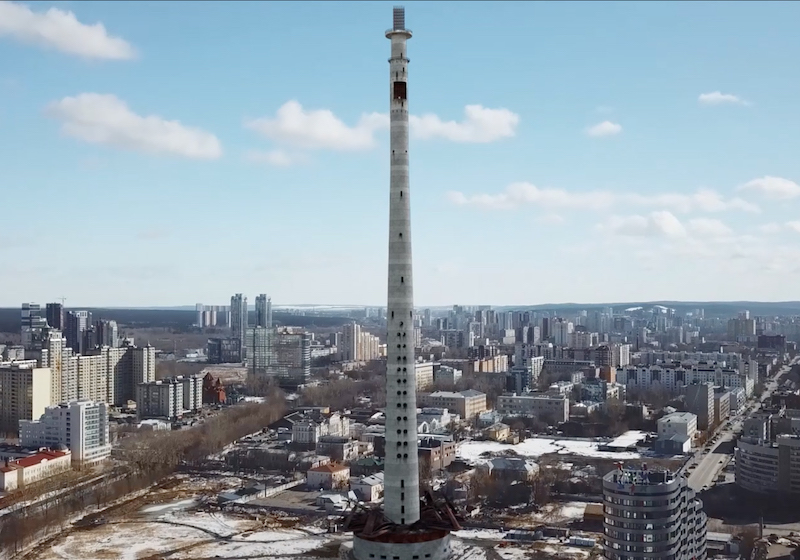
(375, 537)
(433, 545)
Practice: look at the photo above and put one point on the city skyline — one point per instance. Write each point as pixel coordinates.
(556, 154)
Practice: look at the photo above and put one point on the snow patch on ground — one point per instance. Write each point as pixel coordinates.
(536, 447)
(183, 504)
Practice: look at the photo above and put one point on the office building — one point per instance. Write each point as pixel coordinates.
(677, 424)
(81, 426)
(290, 356)
(26, 392)
(263, 311)
(32, 323)
(77, 323)
(651, 515)
(224, 350)
(107, 333)
(55, 316)
(467, 404)
(424, 375)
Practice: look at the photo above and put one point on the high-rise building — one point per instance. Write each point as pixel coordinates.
(55, 316)
(263, 311)
(82, 426)
(107, 333)
(651, 515)
(25, 394)
(258, 349)
(32, 324)
(239, 319)
(400, 536)
(290, 356)
(349, 342)
(77, 323)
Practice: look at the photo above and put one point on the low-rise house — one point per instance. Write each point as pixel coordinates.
(498, 431)
(368, 488)
(39, 466)
(366, 466)
(332, 476)
(511, 469)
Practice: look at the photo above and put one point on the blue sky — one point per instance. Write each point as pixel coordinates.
(172, 153)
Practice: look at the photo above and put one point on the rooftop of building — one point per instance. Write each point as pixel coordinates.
(640, 476)
(678, 417)
(36, 459)
(330, 468)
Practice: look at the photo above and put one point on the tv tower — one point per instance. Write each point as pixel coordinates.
(408, 527)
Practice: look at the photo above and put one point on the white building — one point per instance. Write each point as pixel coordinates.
(677, 424)
(308, 430)
(368, 488)
(24, 471)
(554, 408)
(81, 426)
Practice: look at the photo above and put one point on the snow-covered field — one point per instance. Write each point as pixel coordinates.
(186, 536)
(536, 447)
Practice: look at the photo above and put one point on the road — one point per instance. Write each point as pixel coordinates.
(715, 455)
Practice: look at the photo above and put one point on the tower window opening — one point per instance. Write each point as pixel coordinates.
(403, 522)
(401, 196)
(402, 484)
(400, 91)
(399, 456)
(402, 495)
(393, 317)
(402, 509)
(402, 280)
(401, 236)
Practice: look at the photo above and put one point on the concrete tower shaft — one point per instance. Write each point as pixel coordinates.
(401, 476)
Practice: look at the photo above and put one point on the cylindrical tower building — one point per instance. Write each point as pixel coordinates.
(401, 490)
(407, 528)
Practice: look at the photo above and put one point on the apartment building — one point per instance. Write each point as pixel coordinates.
(674, 378)
(80, 426)
(467, 404)
(159, 399)
(424, 373)
(699, 398)
(546, 406)
(26, 392)
(653, 515)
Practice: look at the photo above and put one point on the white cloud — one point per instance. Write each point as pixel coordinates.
(277, 158)
(660, 223)
(481, 125)
(719, 98)
(318, 129)
(61, 30)
(773, 187)
(106, 119)
(605, 128)
(523, 193)
(709, 227)
(794, 225)
(313, 129)
(518, 194)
